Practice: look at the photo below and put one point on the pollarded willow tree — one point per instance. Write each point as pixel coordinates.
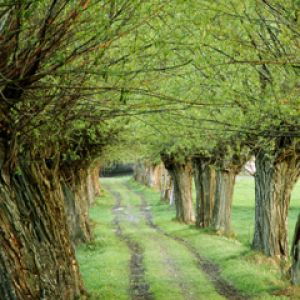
(278, 160)
(195, 132)
(156, 139)
(180, 170)
(247, 60)
(227, 162)
(179, 138)
(79, 164)
(261, 53)
(248, 57)
(66, 68)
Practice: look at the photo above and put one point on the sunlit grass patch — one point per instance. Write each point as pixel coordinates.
(104, 262)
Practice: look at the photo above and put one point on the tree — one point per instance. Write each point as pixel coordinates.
(255, 65)
(181, 174)
(52, 56)
(205, 184)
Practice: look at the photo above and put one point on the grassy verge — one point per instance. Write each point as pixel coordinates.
(104, 262)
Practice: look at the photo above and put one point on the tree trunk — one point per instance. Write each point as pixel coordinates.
(274, 180)
(93, 185)
(172, 195)
(205, 183)
(148, 174)
(225, 180)
(139, 172)
(96, 180)
(182, 178)
(77, 200)
(37, 260)
(90, 188)
(155, 175)
(165, 184)
(151, 175)
(295, 253)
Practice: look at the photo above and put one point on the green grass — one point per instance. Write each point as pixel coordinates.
(169, 267)
(104, 262)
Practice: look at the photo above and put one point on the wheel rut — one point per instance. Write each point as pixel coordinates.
(211, 270)
(139, 288)
(175, 273)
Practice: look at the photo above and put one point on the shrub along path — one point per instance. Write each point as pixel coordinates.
(139, 253)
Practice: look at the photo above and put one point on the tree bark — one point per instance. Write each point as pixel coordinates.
(165, 184)
(225, 180)
(181, 174)
(295, 254)
(274, 180)
(205, 183)
(95, 173)
(93, 185)
(155, 175)
(77, 194)
(37, 260)
(148, 174)
(172, 195)
(139, 172)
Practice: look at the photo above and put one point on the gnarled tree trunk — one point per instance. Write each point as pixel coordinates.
(172, 195)
(155, 176)
(93, 185)
(181, 174)
(274, 180)
(77, 193)
(37, 260)
(295, 253)
(166, 184)
(148, 174)
(95, 174)
(139, 172)
(205, 183)
(225, 180)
